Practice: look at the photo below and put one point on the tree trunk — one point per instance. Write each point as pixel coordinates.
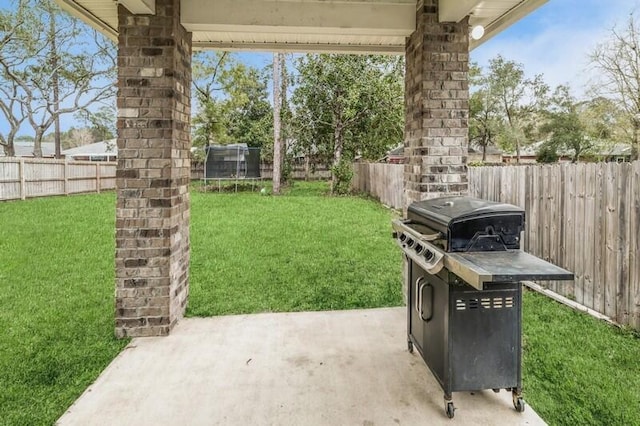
(9, 149)
(277, 141)
(56, 84)
(635, 147)
(283, 125)
(307, 167)
(484, 151)
(517, 151)
(37, 142)
(337, 153)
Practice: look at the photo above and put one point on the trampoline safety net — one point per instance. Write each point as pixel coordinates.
(232, 161)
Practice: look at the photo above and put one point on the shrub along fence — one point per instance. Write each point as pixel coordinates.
(582, 217)
(22, 178)
(381, 180)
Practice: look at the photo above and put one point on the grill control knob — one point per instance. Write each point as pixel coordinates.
(428, 254)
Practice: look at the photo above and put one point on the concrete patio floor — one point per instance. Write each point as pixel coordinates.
(309, 368)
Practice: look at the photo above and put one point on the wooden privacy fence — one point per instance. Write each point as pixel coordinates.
(22, 178)
(583, 217)
(381, 180)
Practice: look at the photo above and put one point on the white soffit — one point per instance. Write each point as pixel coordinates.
(140, 7)
(348, 26)
(378, 26)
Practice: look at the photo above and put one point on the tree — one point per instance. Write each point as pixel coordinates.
(249, 119)
(547, 153)
(277, 127)
(520, 101)
(51, 66)
(618, 60)
(102, 123)
(484, 118)
(348, 105)
(566, 130)
(231, 102)
(13, 26)
(211, 75)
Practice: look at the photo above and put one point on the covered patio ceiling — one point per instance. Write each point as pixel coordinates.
(349, 26)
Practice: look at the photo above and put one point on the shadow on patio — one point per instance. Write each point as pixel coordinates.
(309, 368)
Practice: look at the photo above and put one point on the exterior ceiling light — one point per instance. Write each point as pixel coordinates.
(477, 32)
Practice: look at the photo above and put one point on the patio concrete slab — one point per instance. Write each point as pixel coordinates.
(309, 368)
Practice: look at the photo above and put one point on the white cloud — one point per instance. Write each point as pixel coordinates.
(557, 42)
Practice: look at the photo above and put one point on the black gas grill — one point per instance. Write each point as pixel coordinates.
(464, 298)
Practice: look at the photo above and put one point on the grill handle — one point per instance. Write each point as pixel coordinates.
(421, 285)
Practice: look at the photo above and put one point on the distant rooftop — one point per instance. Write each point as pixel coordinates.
(97, 149)
(25, 149)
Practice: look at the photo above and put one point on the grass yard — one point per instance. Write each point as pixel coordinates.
(253, 253)
(56, 303)
(579, 370)
(301, 252)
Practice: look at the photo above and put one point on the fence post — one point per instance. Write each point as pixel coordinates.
(66, 177)
(23, 194)
(98, 177)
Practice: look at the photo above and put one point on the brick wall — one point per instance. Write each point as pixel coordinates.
(152, 211)
(436, 106)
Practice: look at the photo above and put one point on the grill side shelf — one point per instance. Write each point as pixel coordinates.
(478, 268)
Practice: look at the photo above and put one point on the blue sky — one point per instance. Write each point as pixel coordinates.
(555, 40)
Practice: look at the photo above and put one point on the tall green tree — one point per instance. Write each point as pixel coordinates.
(348, 105)
(277, 123)
(618, 60)
(520, 101)
(566, 130)
(232, 103)
(485, 123)
(53, 64)
(604, 122)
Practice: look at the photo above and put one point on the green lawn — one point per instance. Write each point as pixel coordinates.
(579, 370)
(253, 253)
(56, 303)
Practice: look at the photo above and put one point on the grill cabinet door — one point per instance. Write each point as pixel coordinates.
(428, 298)
(484, 333)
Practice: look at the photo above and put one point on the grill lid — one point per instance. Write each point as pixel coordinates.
(470, 224)
(445, 210)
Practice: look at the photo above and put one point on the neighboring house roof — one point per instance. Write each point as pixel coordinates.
(491, 150)
(399, 151)
(618, 149)
(25, 149)
(396, 152)
(97, 149)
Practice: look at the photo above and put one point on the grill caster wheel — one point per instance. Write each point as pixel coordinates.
(518, 403)
(410, 346)
(450, 409)
(496, 390)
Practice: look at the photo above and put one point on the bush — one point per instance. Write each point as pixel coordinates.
(547, 154)
(342, 175)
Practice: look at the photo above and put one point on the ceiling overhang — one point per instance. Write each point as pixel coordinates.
(346, 26)
(140, 7)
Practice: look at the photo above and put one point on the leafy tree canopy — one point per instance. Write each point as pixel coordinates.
(231, 100)
(348, 105)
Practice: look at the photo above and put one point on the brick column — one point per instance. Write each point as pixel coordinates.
(152, 211)
(436, 107)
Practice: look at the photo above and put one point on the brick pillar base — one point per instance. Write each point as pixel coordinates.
(436, 107)
(152, 211)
